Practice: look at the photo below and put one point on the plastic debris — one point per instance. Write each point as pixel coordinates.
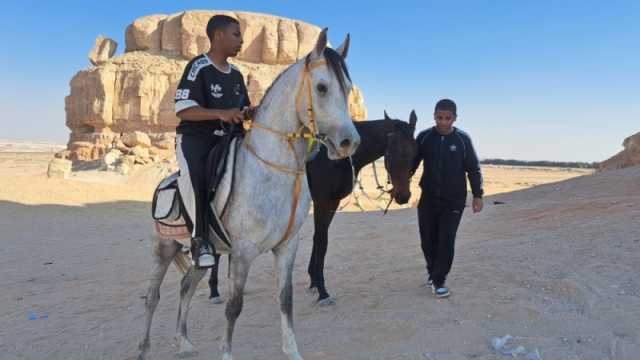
(500, 345)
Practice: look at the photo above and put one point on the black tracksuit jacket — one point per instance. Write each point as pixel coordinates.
(446, 161)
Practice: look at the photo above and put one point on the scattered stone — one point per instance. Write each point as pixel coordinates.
(135, 139)
(110, 159)
(63, 154)
(59, 168)
(140, 152)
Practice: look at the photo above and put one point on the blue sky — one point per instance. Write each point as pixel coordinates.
(534, 80)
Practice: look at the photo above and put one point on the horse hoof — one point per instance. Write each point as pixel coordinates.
(327, 302)
(144, 348)
(216, 300)
(185, 348)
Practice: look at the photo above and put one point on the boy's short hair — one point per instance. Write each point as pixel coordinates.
(219, 22)
(446, 105)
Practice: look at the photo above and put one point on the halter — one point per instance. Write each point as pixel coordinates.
(304, 132)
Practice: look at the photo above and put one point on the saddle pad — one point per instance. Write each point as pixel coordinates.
(177, 232)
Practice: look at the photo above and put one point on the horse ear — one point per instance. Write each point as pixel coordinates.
(321, 44)
(343, 49)
(413, 119)
(386, 117)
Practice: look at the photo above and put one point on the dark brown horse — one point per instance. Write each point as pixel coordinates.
(330, 181)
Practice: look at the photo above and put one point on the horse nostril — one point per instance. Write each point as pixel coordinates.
(345, 143)
(402, 198)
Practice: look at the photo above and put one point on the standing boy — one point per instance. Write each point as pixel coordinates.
(448, 155)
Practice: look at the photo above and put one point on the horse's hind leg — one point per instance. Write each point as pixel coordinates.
(323, 218)
(214, 294)
(238, 279)
(285, 258)
(188, 287)
(163, 251)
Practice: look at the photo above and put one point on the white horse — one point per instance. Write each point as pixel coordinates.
(269, 199)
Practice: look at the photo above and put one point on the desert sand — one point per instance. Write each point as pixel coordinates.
(555, 265)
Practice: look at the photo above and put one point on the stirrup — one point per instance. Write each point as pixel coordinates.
(205, 261)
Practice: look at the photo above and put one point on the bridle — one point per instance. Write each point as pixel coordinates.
(304, 132)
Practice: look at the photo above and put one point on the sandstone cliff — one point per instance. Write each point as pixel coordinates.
(134, 92)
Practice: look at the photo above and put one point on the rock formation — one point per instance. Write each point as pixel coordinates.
(630, 156)
(103, 50)
(126, 102)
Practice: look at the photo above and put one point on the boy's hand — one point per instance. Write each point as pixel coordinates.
(477, 205)
(234, 116)
(249, 112)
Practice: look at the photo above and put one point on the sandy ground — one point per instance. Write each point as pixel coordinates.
(555, 266)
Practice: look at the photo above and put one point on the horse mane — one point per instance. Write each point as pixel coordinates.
(403, 127)
(397, 126)
(336, 65)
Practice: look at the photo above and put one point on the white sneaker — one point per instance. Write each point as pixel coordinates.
(440, 292)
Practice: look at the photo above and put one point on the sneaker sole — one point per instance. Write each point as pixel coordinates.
(433, 291)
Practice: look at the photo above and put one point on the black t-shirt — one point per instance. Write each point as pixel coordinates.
(203, 84)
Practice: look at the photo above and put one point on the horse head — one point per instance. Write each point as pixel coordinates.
(324, 106)
(399, 155)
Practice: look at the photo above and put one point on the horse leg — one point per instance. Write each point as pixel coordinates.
(163, 251)
(214, 294)
(323, 218)
(285, 258)
(188, 286)
(238, 278)
(312, 269)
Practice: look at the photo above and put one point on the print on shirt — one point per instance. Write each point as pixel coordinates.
(216, 91)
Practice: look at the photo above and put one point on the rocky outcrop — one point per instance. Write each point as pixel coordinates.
(59, 168)
(357, 109)
(630, 156)
(103, 50)
(134, 92)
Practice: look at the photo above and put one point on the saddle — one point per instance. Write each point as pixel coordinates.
(167, 207)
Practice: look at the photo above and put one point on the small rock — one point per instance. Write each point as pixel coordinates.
(124, 169)
(140, 152)
(135, 139)
(63, 154)
(59, 168)
(110, 159)
(166, 144)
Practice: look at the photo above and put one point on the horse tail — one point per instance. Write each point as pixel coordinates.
(182, 262)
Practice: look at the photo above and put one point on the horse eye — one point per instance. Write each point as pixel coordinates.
(322, 88)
